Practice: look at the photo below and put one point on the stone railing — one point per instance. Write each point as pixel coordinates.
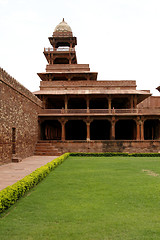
(60, 49)
(136, 111)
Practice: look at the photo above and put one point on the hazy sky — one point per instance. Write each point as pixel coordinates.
(120, 39)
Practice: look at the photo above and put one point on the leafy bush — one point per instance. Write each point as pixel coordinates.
(112, 154)
(11, 194)
(144, 154)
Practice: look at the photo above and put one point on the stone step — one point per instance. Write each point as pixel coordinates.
(46, 149)
(47, 154)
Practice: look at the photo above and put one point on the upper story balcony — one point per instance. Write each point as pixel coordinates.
(98, 112)
(59, 49)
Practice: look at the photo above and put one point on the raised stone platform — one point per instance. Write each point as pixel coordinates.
(130, 146)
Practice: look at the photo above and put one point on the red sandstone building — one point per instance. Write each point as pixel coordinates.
(75, 112)
(82, 114)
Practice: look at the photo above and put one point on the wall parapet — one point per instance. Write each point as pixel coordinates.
(13, 83)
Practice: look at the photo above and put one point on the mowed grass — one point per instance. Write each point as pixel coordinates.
(90, 198)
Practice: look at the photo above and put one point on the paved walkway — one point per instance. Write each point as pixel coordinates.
(12, 172)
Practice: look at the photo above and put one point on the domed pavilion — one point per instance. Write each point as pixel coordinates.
(81, 114)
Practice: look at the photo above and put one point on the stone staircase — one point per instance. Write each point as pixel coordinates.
(44, 148)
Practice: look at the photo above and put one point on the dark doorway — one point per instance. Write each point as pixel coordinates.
(125, 130)
(151, 129)
(100, 130)
(51, 130)
(76, 130)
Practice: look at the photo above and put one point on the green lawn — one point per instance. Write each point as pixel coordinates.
(90, 198)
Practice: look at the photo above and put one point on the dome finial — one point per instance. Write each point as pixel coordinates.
(62, 27)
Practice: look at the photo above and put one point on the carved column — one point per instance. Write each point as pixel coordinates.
(66, 102)
(109, 103)
(142, 129)
(87, 101)
(88, 123)
(63, 135)
(138, 128)
(50, 77)
(113, 122)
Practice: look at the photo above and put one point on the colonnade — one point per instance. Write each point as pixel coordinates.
(101, 129)
(87, 100)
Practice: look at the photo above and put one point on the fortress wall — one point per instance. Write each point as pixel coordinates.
(18, 119)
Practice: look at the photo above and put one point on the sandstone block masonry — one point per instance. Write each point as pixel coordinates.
(19, 110)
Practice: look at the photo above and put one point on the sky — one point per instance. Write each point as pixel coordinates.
(120, 39)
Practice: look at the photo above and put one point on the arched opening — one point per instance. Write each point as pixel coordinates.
(61, 61)
(76, 130)
(77, 103)
(98, 103)
(120, 103)
(51, 130)
(100, 130)
(125, 130)
(151, 129)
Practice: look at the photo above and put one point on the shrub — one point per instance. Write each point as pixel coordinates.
(11, 194)
(112, 154)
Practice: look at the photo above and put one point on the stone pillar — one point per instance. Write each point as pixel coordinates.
(88, 131)
(113, 122)
(63, 122)
(52, 58)
(88, 123)
(87, 101)
(138, 128)
(109, 103)
(66, 102)
(50, 77)
(142, 130)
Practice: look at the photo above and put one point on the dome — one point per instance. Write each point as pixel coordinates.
(62, 27)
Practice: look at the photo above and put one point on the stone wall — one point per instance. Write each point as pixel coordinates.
(151, 102)
(108, 146)
(18, 119)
